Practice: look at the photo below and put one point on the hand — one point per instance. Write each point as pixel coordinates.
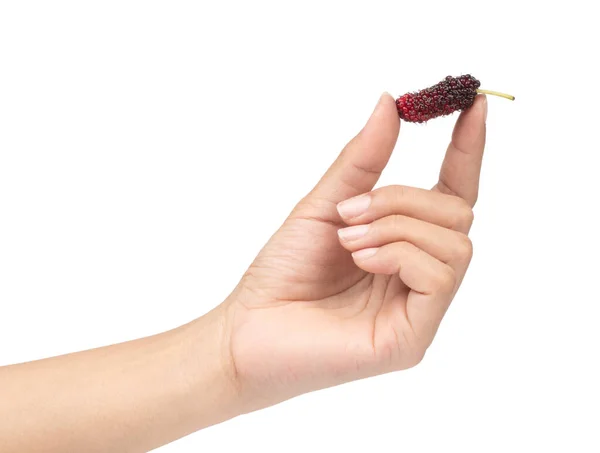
(356, 281)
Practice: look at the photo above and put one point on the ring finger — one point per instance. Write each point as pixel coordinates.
(448, 246)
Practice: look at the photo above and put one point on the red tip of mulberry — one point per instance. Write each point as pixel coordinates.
(444, 98)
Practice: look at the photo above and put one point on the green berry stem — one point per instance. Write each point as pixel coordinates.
(496, 93)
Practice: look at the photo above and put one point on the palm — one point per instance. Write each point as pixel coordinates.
(316, 309)
(307, 263)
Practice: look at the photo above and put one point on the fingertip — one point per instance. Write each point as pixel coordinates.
(383, 126)
(387, 97)
(365, 254)
(384, 119)
(389, 103)
(482, 102)
(471, 122)
(479, 107)
(387, 106)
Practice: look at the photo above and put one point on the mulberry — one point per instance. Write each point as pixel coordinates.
(443, 98)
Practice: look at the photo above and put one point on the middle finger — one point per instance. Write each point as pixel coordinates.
(434, 207)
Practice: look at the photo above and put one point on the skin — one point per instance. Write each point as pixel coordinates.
(354, 284)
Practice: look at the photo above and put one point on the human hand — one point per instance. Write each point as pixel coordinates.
(353, 284)
(356, 281)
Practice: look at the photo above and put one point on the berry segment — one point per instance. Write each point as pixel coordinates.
(443, 98)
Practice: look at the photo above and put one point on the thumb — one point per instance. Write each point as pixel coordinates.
(359, 165)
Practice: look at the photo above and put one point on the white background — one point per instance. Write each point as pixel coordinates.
(149, 149)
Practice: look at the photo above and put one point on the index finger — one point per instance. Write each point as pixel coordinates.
(460, 170)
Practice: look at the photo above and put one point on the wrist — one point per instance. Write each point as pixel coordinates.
(208, 371)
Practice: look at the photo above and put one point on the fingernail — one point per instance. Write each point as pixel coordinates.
(353, 233)
(485, 108)
(353, 207)
(365, 253)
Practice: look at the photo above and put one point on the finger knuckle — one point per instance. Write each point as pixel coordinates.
(397, 222)
(309, 204)
(404, 248)
(463, 215)
(464, 247)
(444, 280)
(416, 356)
(398, 194)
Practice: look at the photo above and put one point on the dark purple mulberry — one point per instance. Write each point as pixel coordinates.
(444, 98)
